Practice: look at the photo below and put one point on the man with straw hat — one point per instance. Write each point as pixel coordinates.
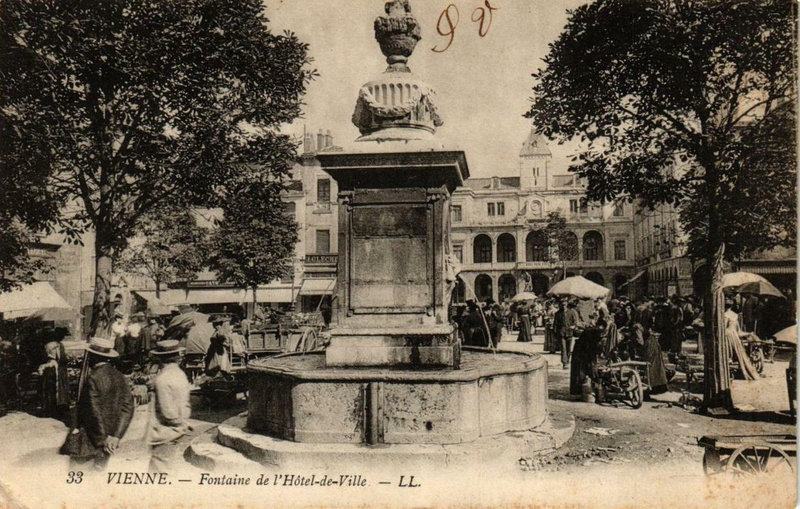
(105, 408)
(170, 407)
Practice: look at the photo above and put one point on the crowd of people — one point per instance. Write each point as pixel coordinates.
(583, 331)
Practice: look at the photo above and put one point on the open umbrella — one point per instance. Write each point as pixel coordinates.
(740, 278)
(523, 296)
(578, 286)
(787, 335)
(760, 288)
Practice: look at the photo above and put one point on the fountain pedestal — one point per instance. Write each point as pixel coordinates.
(393, 288)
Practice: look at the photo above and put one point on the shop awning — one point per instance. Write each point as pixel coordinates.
(634, 278)
(154, 304)
(769, 269)
(30, 299)
(225, 296)
(322, 286)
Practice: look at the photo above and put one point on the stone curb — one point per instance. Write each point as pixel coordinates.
(236, 448)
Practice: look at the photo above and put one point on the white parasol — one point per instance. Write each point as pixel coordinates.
(578, 286)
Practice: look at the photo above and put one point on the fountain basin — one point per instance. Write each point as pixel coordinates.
(297, 397)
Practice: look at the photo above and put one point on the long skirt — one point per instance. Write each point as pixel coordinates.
(551, 342)
(658, 371)
(736, 350)
(524, 329)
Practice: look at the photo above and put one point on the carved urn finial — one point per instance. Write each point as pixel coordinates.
(396, 105)
(397, 33)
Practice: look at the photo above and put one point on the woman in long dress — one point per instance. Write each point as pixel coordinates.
(551, 340)
(733, 343)
(649, 351)
(524, 317)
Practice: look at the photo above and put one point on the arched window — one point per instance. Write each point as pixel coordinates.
(592, 246)
(483, 287)
(596, 277)
(460, 291)
(540, 284)
(482, 249)
(506, 248)
(536, 247)
(507, 285)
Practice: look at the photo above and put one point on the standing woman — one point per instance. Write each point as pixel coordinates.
(524, 318)
(551, 341)
(734, 346)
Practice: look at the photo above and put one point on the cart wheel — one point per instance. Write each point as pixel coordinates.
(712, 464)
(750, 460)
(633, 388)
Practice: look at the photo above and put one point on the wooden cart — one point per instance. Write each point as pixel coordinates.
(749, 455)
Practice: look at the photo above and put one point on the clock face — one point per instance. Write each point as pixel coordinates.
(534, 208)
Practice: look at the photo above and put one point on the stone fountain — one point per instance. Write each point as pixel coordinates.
(394, 372)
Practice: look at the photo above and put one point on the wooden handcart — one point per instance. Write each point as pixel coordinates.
(749, 455)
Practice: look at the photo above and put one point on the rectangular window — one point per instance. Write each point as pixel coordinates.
(619, 250)
(584, 208)
(323, 191)
(458, 252)
(619, 210)
(564, 181)
(573, 206)
(455, 213)
(501, 208)
(289, 208)
(323, 244)
(490, 209)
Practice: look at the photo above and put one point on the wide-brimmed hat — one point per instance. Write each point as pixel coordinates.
(220, 319)
(167, 348)
(118, 314)
(103, 347)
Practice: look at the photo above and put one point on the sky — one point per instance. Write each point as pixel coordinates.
(483, 84)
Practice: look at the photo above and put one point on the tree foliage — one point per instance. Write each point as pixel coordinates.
(685, 102)
(255, 241)
(136, 103)
(562, 241)
(169, 247)
(672, 95)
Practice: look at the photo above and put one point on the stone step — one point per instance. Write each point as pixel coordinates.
(207, 454)
(502, 448)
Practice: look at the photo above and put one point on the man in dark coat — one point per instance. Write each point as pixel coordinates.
(105, 409)
(675, 325)
(584, 357)
(473, 326)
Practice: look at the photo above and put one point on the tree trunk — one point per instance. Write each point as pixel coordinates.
(255, 300)
(158, 288)
(101, 304)
(717, 392)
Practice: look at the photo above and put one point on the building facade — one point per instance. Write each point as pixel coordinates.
(497, 228)
(663, 267)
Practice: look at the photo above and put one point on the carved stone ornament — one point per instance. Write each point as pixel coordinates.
(397, 33)
(397, 105)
